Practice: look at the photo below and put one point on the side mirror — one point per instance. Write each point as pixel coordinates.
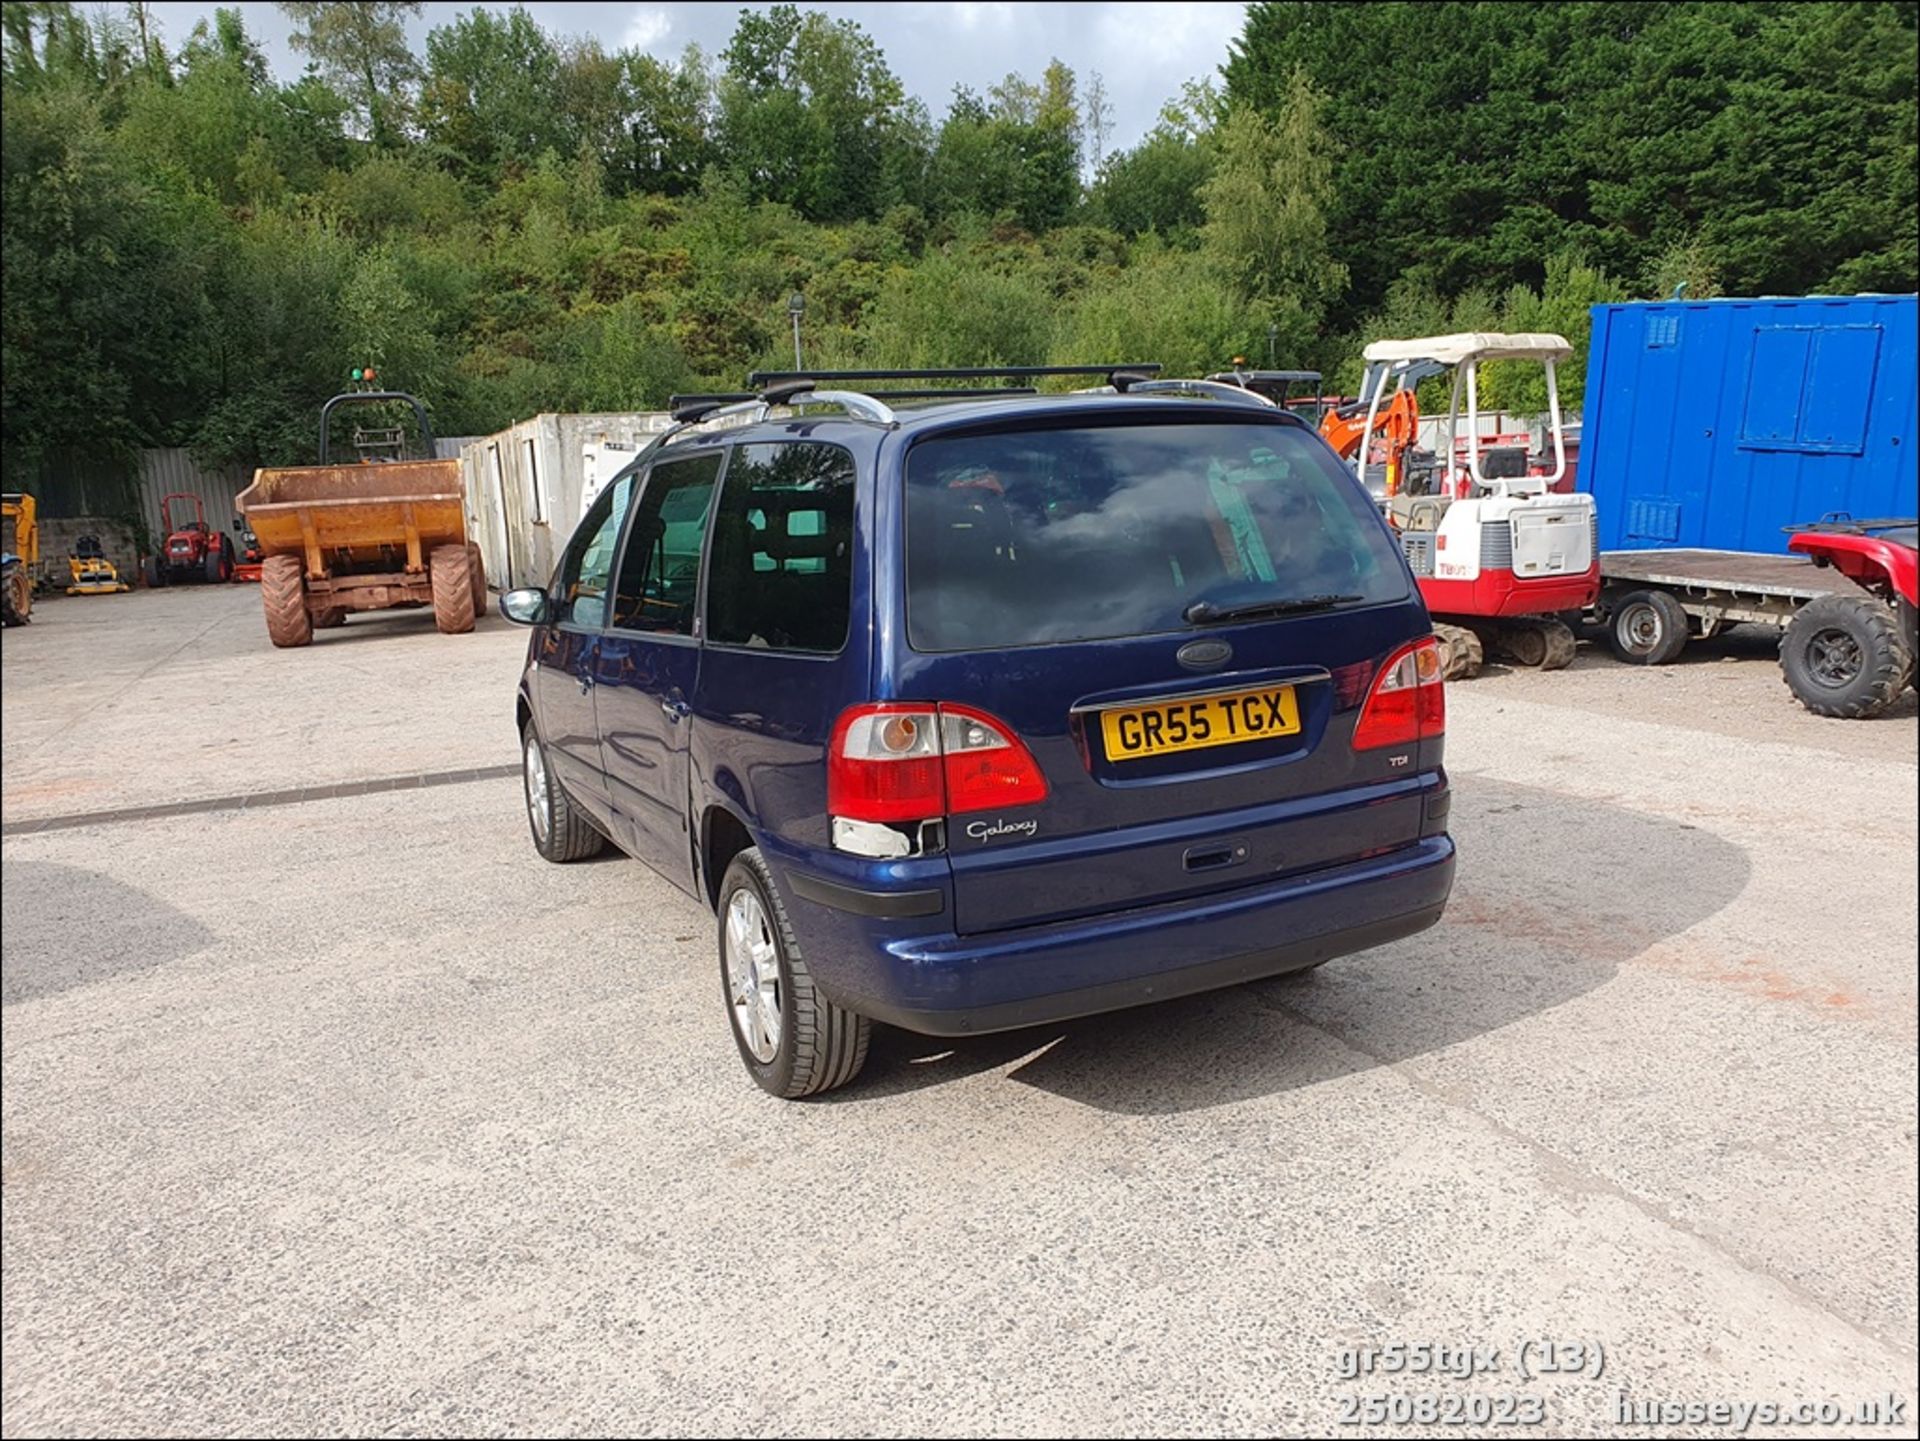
(525, 607)
(238, 525)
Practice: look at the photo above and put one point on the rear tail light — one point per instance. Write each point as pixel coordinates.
(892, 763)
(1407, 703)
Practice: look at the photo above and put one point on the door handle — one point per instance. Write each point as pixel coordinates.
(675, 710)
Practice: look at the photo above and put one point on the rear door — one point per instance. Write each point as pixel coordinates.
(649, 659)
(1069, 579)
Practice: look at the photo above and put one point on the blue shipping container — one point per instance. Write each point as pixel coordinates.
(1715, 423)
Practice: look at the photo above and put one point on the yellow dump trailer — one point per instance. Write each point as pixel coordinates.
(376, 534)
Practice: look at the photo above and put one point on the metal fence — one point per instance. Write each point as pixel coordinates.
(164, 472)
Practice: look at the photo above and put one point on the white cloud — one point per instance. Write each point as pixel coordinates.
(650, 25)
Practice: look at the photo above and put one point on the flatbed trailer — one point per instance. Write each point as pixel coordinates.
(1653, 601)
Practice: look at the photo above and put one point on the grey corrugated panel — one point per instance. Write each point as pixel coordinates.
(174, 470)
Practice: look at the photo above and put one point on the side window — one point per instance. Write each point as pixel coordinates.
(580, 585)
(783, 549)
(660, 572)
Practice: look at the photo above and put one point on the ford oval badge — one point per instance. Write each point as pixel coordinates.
(1204, 654)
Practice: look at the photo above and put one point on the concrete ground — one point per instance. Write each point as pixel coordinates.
(348, 1114)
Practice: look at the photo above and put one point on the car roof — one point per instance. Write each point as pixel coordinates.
(922, 416)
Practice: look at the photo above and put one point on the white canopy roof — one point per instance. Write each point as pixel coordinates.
(1473, 345)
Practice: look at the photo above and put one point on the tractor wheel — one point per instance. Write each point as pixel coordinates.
(1461, 652)
(154, 571)
(218, 566)
(330, 619)
(1843, 655)
(452, 581)
(283, 595)
(1647, 627)
(477, 568)
(16, 608)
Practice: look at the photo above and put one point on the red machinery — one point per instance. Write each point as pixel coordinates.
(1852, 654)
(1499, 551)
(251, 556)
(191, 550)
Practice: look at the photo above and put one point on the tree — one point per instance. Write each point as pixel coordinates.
(219, 126)
(953, 310)
(361, 47)
(1266, 224)
(1481, 139)
(153, 54)
(1014, 154)
(1166, 306)
(669, 122)
(100, 285)
(808, 112)
(490, 91)
(1097, 125)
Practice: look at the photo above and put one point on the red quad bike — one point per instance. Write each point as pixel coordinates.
(1851, 654)
(191, 550)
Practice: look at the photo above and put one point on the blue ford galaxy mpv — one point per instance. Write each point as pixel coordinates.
(972, 712)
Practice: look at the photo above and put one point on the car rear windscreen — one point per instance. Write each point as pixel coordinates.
(1033, 537)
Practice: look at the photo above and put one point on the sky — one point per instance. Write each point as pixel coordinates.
(1143, 52)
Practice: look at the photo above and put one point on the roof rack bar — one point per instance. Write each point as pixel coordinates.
(1301, 377)
(1213, 389)
(763, 378)
(992, 392)
(694, 407)
(856, 403)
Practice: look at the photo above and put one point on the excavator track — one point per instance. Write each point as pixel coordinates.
(1539, 644)
(1461, 653)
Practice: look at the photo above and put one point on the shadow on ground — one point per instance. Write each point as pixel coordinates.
(369, 627)
(1554, 894)
(66, 927)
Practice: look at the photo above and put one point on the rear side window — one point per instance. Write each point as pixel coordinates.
(782, 569)
(660, 572)
(782, 561)
(1042, 536)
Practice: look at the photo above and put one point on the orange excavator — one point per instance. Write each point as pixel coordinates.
(1395, 434)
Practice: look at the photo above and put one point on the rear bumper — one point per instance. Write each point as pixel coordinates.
(950, 985)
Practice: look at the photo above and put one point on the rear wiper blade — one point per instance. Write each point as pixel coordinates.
(1206, 612)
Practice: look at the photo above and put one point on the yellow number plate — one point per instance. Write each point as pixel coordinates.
(1190, 725)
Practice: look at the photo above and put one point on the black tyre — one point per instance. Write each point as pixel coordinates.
(452, 582)
(154, 571)
(283, 596)
(16, 596)
(1647, 627)
(477, 573)
(1844, 656)
(561, 831)
(794, 1041)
